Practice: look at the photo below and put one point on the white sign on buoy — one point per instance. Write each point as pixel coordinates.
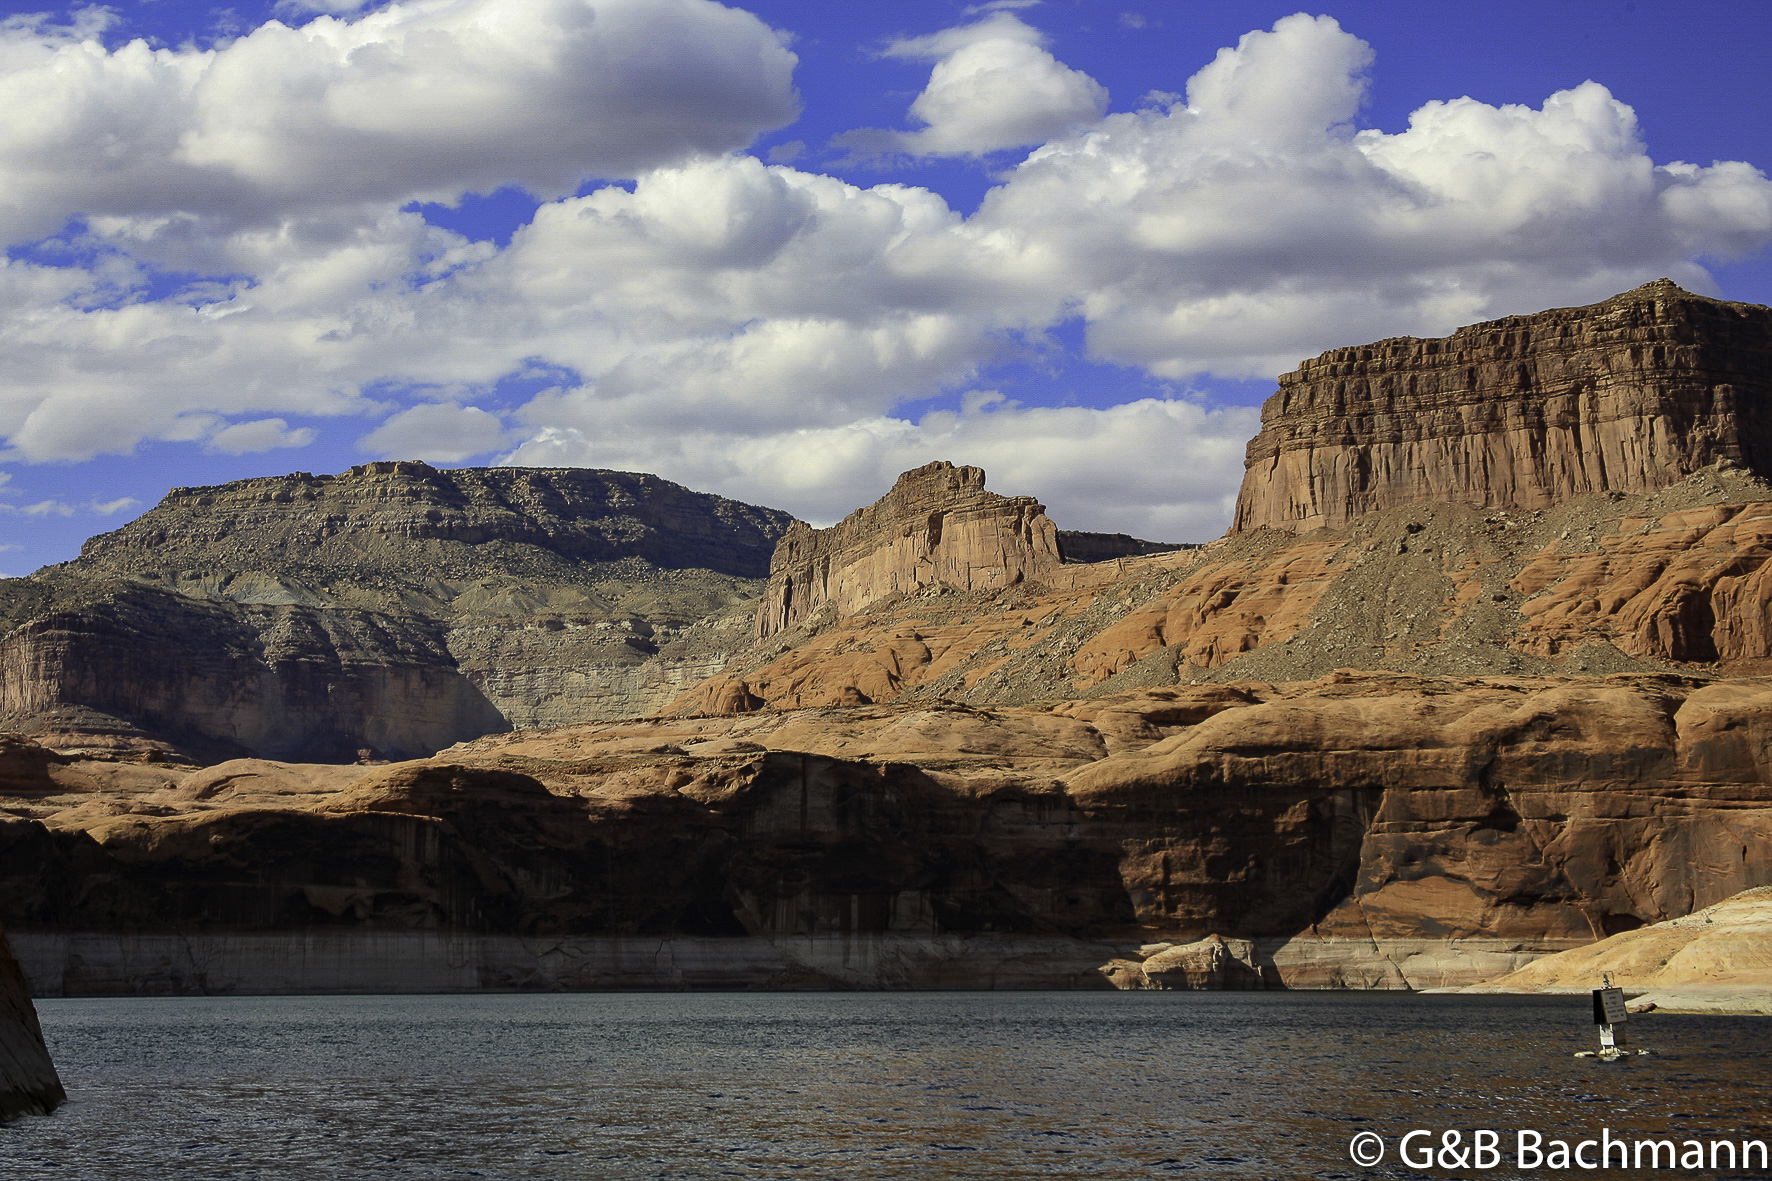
(1610, 1015)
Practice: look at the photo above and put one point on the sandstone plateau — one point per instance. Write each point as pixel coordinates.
(1479, 677)
(1520, 414)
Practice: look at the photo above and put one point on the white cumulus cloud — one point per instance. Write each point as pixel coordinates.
(1166, 469)
(424, 100)
(1251, 226)
(437, 432)
(994, 86)
(263, 434)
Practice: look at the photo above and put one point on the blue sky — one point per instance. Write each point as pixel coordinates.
(785, 251)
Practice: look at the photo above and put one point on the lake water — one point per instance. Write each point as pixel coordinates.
(860, 1085)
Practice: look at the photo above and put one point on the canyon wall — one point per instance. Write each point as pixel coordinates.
(1630, 395)
(393, 609)
(1361, 830)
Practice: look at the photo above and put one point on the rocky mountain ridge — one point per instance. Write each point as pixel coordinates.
(395, 608)
(1669, 582)
(1575, 492)
(432, 529)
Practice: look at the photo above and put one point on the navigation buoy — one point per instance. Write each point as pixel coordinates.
(1610, 1015)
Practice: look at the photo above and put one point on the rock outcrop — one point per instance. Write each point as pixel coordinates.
(936, 525)
(1358, 831)
(1630, 395)
(1213, 963)
(1716, 959)
(393, 609)
(28, 1082)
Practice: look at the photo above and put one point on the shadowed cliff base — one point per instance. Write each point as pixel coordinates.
(1368, 831)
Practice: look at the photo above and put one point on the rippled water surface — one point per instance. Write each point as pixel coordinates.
(855, 1085)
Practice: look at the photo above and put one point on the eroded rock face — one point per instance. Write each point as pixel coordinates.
(1629, 395)
(937, 525)
(28, 1082)
(1361, 830)
(395, 609)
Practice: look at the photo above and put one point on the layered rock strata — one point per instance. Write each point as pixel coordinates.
(28, 1082)
(1630, 395)
(1673, 581)
(936, 525)
(393, 609)
(362, 961)
(1361, 830)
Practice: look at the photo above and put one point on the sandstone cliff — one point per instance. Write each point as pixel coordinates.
(1629, 395)
(1575, 492)
(395, 608)
(28, 1083)
(936, 525)
(1361, 830)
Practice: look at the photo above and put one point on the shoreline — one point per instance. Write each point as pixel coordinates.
(321, 961)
